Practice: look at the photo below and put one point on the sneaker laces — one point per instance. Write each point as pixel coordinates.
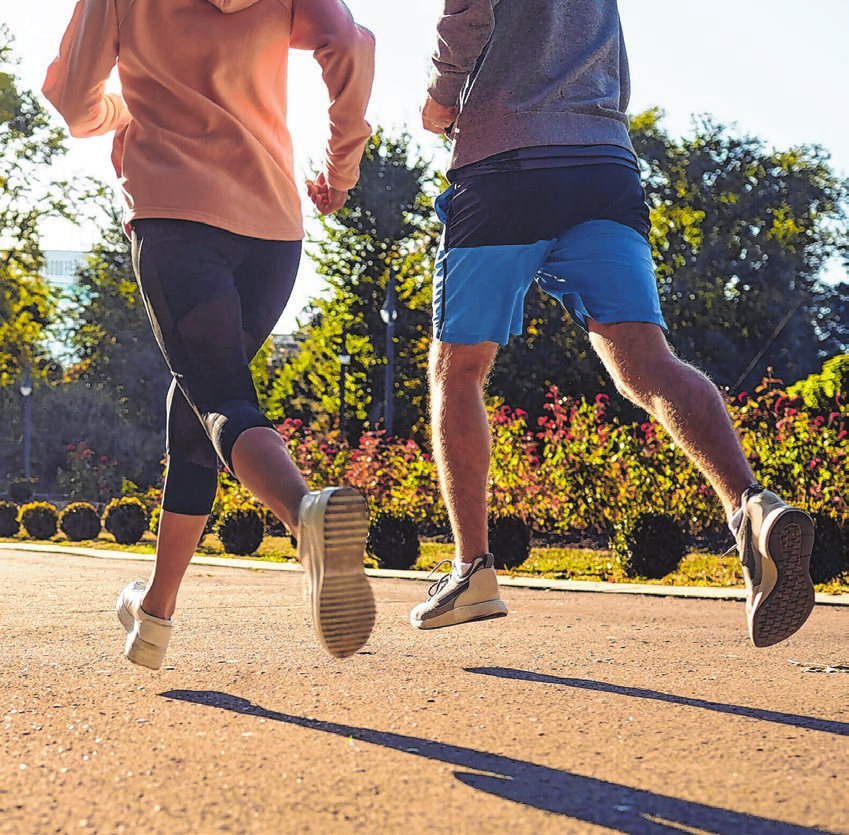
(443, 581)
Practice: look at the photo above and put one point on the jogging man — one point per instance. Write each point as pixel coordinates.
(545, 188)
(204, 157)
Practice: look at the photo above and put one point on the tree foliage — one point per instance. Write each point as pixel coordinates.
(28, 145)
(740, 235)
(386, 228)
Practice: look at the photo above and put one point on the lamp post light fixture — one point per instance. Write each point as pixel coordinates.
(26, 391)
(389, 313)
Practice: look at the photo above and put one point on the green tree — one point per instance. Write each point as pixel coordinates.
(387, 228)
(28, 146)
(740, 235)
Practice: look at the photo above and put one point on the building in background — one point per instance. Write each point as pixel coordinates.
(61, 265)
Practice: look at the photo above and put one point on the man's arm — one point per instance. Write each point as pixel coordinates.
(345, 52)
(76, 80)
(463, 30)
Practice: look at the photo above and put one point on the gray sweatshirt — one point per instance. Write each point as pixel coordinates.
(528, 73)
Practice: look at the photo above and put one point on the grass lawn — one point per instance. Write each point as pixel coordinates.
(698, 568)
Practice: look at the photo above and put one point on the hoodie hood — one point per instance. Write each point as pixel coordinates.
(231, 6)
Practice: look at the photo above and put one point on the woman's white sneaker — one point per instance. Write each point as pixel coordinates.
(147, 636)
(331, 547)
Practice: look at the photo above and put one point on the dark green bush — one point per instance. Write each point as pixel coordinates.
(9, 524)
(828, 558)
(241, 531)
(40, 520)
(22, 489)
(80, 521)
(649, 545)
(509, 541)
(125, 519)
(393, 540)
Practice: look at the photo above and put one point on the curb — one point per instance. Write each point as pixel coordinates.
(541, 583)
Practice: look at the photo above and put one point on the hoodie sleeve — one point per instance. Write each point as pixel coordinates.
(76, 80)
(462, 32)
(345, 52)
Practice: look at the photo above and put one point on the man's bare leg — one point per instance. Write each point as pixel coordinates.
(686, 403)
(461, 439)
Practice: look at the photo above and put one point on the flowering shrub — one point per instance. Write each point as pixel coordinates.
(578, 470)
(88, 475)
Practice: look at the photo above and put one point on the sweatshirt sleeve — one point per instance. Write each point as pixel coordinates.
(76, 80)
(463, 30)
(345, 53)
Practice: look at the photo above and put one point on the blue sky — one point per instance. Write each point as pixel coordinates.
(775, 69)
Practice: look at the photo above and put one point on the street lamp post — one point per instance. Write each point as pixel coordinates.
(388, 188)
(26, 391)
(344, 361)
(389, 313)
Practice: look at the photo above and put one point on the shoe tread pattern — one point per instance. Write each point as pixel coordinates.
(345, 609)
(791, 601)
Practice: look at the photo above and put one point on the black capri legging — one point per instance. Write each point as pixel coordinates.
(212, 298)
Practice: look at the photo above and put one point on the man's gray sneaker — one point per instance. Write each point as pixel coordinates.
(147, 636)
(333, 528)
(454, 599)
(775, 542)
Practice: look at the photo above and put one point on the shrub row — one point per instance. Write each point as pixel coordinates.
(126, 518)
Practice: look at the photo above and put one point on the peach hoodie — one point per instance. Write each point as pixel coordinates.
(200, 133)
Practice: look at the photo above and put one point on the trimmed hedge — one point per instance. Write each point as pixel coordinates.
(40, 520)
(126, 520)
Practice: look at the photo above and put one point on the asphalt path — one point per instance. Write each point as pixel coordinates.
(579, 713)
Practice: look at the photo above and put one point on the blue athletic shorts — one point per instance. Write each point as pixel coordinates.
(580, 233)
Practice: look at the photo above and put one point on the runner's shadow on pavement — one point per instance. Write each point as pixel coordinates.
(617, 807)
(809, 722)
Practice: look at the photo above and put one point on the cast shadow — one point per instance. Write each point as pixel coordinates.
(809, 722)
(617, 807)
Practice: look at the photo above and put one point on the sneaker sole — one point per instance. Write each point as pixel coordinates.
(785, 598)
(341, 599)
(143, 653)
(137, 649)
(488, 610)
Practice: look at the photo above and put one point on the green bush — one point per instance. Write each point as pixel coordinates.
(828, 557)
(9, 524)
(80, 521)
(126, 519)
(393, 540)
(40, 520)
(649, 545)
(241, 531)
(509, 541)
(22, 489)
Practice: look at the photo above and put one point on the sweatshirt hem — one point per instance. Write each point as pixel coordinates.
(532, 130)
(283, 233)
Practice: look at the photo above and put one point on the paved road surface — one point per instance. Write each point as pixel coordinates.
(579, 713)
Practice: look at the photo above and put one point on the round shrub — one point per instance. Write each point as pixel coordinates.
(80, 521)
(22, 489)
(40, 520)
(125, 519)
(509, 541)
(828, 557)
(649, 545)
(393, 540)
(241, 531)
(9, 524)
